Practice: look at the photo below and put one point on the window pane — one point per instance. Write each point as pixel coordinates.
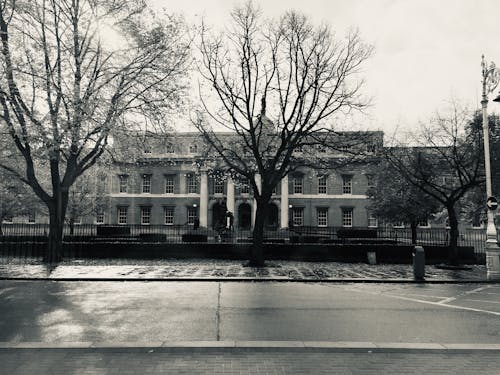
(169, 215)
(99, 218)
(322, 217)
(218, 186)
(298, 216)
(169, 184)
(146, 183)
(347, 184)
(322, 187)
(145, 215)
(122, 215)
(297, 185)
(347, 217)
(123, 183)
(191, 184)
(192, 213)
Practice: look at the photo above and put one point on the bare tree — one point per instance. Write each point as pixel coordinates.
(445, 164)
(72, 71)
(279, 83)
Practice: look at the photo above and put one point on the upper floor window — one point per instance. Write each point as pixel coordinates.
(299, 149)
(193, 149)
(169, 184)
(146, 183)
(298, 182)
(347, 184)
(322, 213)
(191, 183)
(218, 186)
(123, 183)
(370, 181)
(122, 215)
(347, 217)
(322, 187)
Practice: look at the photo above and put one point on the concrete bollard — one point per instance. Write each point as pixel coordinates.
(419, 263)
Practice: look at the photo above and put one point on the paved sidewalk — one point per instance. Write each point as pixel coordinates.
(243, 361)
(232, 270)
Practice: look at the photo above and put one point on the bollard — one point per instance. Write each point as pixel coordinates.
(419, 263)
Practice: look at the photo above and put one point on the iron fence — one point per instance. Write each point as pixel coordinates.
(15, 235)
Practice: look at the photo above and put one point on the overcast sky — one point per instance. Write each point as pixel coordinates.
(425, 50)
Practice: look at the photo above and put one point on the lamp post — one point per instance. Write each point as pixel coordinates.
(491, 77)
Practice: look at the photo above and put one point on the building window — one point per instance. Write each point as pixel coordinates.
(169, 184)
(191, 184)
(347, 184)
(169, 148)
(193, 149)
(322, 216)
(299, 149)
(123, 183)
(122, 215)
(372, 221)
(347, 217)
(298, 216)
(398, 224)
(99, 217)
(31, 218)
(245, 187)
(192, 214)
(169, 216)
(218, 186)
(146, 183)
(145, 215)
(322, 187)
(298, 183)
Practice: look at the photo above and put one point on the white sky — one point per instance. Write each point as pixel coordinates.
(425, 50)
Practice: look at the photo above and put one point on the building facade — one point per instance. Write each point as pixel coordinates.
(168, 185)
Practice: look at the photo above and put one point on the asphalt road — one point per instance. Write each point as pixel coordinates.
(188, 311)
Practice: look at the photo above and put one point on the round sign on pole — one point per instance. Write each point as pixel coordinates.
(492, 203)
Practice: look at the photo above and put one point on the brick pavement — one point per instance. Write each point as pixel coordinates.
(231, 270)
(242, 361)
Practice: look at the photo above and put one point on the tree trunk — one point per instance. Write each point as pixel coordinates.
(453, 243)
(413, 226)
(257, 250)
(57, 211)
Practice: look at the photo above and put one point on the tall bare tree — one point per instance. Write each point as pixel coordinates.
(72, 71)
(445, 163)
(280, 84)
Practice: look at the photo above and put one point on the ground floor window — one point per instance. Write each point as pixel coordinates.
(169, 216)
(32, 218)
(192, 214)
(99, 218)
(322, 216)
(372, 221)
(347, 217)
(298, 216)
(122, 215)
(145, 215)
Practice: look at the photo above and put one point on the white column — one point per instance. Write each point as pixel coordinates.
(258, 182)
(230, 195)
(203, 199)
(284, 202)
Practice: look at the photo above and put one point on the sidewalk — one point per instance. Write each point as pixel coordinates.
(220, 270)
(245, 361)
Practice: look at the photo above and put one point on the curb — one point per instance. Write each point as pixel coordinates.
(331, 346)
(262, 279)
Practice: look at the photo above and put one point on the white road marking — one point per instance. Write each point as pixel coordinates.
(482, 300)
(429, 302)
(450, 299)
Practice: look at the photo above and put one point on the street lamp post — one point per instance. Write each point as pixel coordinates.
(491, 77)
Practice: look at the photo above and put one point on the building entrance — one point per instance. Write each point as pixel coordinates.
(244, 216)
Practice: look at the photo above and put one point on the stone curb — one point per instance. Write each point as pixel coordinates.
(262, 279)
(334, 346)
